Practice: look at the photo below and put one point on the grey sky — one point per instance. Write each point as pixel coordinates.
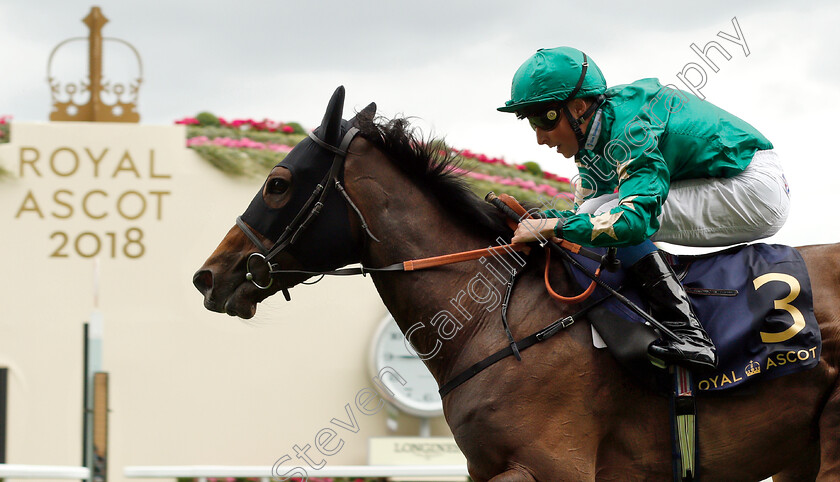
(449, 64)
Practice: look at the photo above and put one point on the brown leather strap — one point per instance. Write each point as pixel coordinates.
(575, 248)
(415, 264)
(567, 299)
(512, 203)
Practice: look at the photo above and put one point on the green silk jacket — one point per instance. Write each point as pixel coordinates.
(644, 137)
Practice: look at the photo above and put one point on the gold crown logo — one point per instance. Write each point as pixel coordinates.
(752, 368)
(96, 98)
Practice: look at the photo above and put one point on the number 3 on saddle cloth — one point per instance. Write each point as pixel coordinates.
(754, 301)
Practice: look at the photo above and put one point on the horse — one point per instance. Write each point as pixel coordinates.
(566, 411)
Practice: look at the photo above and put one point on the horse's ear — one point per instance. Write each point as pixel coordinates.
(367, 112)
(370, 110)
(331, 125)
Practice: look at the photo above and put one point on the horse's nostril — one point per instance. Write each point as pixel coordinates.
(203, 280)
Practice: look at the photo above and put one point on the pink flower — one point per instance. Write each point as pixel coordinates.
(263, 125)
(243, 143)
(197, 141)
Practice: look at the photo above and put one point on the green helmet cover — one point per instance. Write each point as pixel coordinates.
(550, 75)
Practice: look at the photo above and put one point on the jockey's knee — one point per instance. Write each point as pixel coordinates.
(770, 209)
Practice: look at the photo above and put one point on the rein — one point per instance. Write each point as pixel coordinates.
(505, 203)
(415, 264)
(452, 258)
(314, 205)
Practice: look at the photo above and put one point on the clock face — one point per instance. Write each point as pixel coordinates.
(419, 396)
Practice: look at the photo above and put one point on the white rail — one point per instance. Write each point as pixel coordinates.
(15, 471)
(264, 472)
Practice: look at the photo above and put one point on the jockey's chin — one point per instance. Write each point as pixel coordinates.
(568, 152)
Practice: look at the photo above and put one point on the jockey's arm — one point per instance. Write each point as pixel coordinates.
(643, 186)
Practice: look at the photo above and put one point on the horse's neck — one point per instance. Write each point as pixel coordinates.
(454, 309)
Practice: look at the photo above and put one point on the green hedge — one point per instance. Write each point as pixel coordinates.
(252, 162)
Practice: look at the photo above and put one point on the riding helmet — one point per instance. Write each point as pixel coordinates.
(551, 75)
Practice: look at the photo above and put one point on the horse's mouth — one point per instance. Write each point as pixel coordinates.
(241, 302)
(241, 307)
(230, 293)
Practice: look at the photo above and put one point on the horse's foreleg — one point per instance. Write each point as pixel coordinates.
(829, 440)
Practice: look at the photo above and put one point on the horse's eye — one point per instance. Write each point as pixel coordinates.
(277, 186)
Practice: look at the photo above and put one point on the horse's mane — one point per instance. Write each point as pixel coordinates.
(428, 161)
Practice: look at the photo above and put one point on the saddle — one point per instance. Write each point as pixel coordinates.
(754, 301)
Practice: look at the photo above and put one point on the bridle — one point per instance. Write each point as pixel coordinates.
(307, 214)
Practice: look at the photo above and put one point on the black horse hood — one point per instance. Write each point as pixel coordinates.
(309, 164)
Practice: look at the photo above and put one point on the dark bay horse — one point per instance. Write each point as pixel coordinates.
(566, 412)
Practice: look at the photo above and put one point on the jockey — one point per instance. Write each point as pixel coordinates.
(655, 164)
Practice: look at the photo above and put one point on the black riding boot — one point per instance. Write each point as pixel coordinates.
(671, 307)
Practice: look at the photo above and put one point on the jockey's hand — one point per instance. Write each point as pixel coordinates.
(535, 230)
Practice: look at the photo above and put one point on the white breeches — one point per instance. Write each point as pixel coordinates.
(719, 211)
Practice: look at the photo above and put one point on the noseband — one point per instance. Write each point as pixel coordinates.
(308, 212)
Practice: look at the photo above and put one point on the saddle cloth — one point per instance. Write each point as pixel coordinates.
(754, 301)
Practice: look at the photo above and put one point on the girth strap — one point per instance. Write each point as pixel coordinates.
(519, 346)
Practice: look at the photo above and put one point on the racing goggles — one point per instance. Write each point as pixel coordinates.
(547, 120)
